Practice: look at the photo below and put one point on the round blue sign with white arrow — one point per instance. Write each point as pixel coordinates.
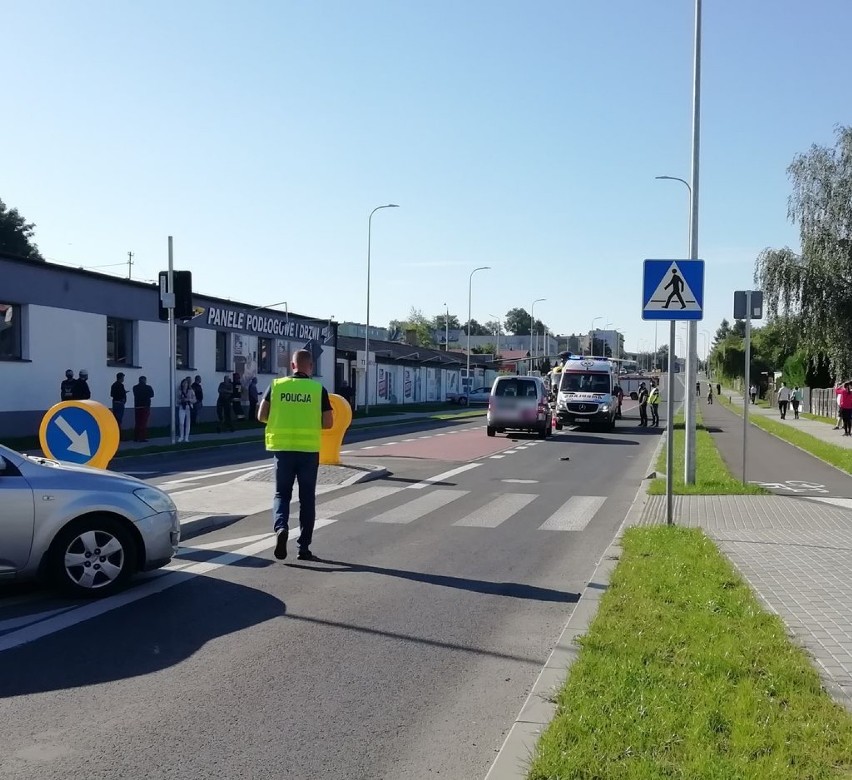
(83, 432)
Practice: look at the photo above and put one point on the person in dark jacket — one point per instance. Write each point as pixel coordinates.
(66, 389)
(237, 396)
(252, 397)
(118, 393)
(224, 404)
(81, 386)
(199, 397)
(643, 404)
(142, 395)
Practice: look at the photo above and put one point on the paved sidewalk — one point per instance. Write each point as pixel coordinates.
(816, 428)
(796, 553)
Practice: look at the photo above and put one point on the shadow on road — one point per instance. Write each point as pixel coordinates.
(514, 590)
(147, 636)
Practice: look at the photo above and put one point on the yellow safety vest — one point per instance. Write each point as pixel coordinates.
(295, 415)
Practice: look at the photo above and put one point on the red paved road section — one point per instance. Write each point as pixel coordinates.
(461, 445)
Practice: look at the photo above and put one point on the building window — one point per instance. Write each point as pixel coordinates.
(265, 351)
(119, 341)
(222, 351)
(10, 331)
(183, 348)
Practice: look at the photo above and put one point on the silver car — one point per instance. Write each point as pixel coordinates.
(519, 403)
(83, 529)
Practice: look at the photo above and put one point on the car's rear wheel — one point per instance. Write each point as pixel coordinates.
(92, 557)
(490, 431)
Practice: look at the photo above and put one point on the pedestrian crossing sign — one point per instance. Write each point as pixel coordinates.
(673, 290)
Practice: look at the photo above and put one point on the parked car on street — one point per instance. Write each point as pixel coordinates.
(478, 395)
(519, 403)
(83, 529)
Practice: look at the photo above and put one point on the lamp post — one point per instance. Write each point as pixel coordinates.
(592, 335)
(469, 302)
(499, 328)
(447, 329)
(367, 328)
(532, 328)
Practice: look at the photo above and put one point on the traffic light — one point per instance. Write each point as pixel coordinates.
(183, 295)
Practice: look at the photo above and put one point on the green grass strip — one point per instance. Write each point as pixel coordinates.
(830, 453)
(683, 675)
(712, 476)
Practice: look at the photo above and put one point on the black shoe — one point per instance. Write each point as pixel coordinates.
(307, 555)
(281, 546)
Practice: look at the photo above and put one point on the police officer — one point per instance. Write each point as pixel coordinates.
(295, 409)
(66, 389)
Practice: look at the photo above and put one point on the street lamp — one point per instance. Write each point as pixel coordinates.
(447, 329)
(499, 328)
(592, 335)
(532, 327)
(367, 328)
(469, 300)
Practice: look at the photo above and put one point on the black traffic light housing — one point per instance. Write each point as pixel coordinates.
(183, 295)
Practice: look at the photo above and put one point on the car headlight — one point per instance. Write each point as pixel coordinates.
(155, 499)
(604, 407)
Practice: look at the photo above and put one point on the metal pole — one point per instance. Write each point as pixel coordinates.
(447, 330)
(692, 331)
(670, 428)
(172, 344)
(747, 378)
(469, 314)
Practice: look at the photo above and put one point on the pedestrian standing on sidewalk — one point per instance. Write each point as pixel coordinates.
(252, 396)
(643, 404)
(837, 391)
(654, 403)
(118, 393)
(237, 396)
(199, 399)
(81, 386)
(846, 408)
(698, 388)
(224, 404)
(184, 402)
(142, 395)
(66, 388)
(796, 401)
(295, 409)
(783, 400)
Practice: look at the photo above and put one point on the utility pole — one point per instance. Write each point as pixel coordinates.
(129, 263)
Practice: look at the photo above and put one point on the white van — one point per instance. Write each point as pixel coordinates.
(586, 393)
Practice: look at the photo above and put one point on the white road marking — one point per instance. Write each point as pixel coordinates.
(210, 474)
(354, 500)
(497, 457)
(497, 511)
(574, 515)
(389, 443)
(34, 617)
(441, 477)
(521, 481)
(413, 510)
(221, 544)
(156, 584)
(346, 452)
(371, 447)
(407, 440)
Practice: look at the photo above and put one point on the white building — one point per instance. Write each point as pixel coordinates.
(53, 318)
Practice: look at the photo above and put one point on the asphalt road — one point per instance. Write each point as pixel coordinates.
(406, 654)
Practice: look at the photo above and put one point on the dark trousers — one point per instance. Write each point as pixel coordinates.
(193, 412)
(252, 411)
(141, 431)
(846, 414)
(643, 414)
(782, 405)
(223, 414)
(118, 412)
(795, 405)
(655, 414)
(290, 466)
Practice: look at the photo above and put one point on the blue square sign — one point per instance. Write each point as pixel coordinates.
(673, 290)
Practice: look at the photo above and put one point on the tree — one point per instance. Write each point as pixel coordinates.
(493, 327)
(417, 322)
(16, 234)
(739, 328)
(816, 282)
(517, 322)
(485, 349)
(476, 329)
(722, 332)
(439, 322)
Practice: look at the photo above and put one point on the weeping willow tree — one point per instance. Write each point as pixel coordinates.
(815, 287)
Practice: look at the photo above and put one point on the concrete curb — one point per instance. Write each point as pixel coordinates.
(192, 527)
(512, 762)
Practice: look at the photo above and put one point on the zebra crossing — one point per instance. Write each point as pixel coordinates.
(403, 506)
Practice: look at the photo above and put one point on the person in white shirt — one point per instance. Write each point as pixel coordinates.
(752, 391)
(783, 400)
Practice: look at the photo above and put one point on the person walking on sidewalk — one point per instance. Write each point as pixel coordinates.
(184, 402)
(837, 391)
(643, 404)
(296, 409)
(752, 393)
(118, 393)
(710, 394)
(796, 401)
(783, 400)
(142, 395)
(224, 404)
(654, 403)
(846, 408)
(718, 389)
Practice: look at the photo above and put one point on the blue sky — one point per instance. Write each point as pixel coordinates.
(524, 136)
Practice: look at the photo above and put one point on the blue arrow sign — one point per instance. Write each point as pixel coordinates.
(673, 290)
(73, 434)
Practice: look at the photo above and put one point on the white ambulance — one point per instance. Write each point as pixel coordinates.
(586, 393)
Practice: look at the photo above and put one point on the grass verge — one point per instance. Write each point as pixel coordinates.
(830, 453)
(683, 675)
(819, 418)
(712, 476)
